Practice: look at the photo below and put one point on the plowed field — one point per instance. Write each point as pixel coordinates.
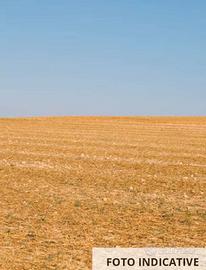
(68, 184)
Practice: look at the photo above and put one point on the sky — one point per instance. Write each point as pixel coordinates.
(111, 57)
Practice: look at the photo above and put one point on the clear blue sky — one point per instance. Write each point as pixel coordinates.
(111, 57)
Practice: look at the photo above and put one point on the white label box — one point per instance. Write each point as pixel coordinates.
(149, 258)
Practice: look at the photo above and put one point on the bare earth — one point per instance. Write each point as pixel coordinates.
(71, 183)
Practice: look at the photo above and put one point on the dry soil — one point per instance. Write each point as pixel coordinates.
(71, 183)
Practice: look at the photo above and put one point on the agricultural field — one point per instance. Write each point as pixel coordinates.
(72, 183)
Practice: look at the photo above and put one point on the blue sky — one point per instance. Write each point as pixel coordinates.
(112, 57)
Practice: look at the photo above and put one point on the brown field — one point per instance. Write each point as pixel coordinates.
(71, 183)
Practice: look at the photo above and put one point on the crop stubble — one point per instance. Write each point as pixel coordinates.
(72, 183)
